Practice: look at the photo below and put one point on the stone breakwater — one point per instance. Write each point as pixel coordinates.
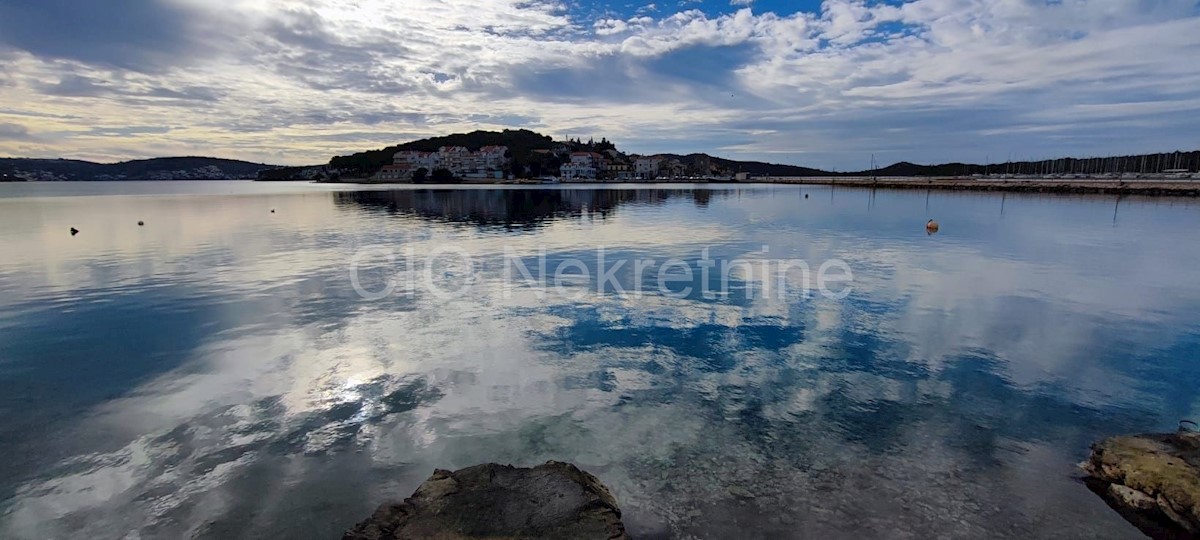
(1153, 480)
(1100, 187)
(555, 500)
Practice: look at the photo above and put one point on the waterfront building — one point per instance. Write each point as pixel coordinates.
(584, 166)
(488, 162)
(619, 171)
(648, 168)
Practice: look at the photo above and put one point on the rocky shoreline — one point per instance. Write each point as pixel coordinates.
(1152, 480)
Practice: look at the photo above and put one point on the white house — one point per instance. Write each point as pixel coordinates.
(457, 159)
(493, 157)
(647, 168)
(488, 162)
(582, 167)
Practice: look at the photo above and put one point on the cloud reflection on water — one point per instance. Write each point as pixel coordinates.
(949, 394)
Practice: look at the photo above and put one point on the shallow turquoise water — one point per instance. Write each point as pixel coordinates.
(215, 374)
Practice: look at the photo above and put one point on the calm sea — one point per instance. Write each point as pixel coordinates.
(218, 372)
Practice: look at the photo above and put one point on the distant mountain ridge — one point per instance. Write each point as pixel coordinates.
(170, 168)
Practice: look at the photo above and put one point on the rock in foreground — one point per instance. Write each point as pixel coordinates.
(555, 500)
(1153, 479)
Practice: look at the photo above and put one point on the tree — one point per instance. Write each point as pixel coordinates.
(443, 176)
(420, 175)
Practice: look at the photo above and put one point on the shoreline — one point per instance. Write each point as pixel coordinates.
(1155, 187)
(1171, 188)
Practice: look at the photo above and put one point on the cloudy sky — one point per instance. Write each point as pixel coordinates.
(793, 81)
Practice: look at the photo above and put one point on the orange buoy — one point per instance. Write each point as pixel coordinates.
(932, 227)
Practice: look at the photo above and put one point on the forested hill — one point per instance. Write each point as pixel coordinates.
(175, 168)
(521, 143)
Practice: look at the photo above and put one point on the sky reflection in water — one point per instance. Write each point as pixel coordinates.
(215, 374)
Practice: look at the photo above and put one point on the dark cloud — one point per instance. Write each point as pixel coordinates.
(700, 75)
(135, 93)
(14, 132)
(606, 79)
(302, 46)
(102, 131)
(138, 35)
(703, 64)
(187, 93)
(73, 85)
(267, 116)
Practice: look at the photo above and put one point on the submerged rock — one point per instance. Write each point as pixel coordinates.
(555, 500)
(1154, 480)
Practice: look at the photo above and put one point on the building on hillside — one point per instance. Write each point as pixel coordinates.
(578, 172)
(489, 162)
(408, 162)
(394, 173)
(493, 158)
(673, 169)
(584, 166)
(457, 159)
(648, 168)
(619, 171)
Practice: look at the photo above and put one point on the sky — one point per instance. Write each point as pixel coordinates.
(823, 84)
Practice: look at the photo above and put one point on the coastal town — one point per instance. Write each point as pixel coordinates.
(522, 156)
(527, 157)
(564, 162)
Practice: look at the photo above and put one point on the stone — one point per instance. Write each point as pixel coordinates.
(1132, 497)
(1154, 477)
(555, 500)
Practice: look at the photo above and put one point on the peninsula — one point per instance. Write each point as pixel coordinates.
(522, 156)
